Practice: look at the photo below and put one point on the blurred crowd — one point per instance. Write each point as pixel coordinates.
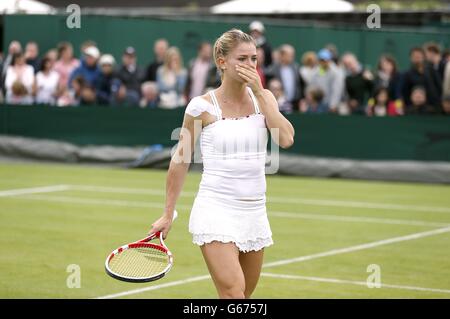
(321, 82)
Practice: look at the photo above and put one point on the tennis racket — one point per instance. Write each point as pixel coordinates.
(141, 261)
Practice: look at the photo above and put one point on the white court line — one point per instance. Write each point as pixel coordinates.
(357, 219)
(34, 190)
(156, 287)
(143, 204)
(299, 259)
(359, 247)
(351, 282)
(277, 199)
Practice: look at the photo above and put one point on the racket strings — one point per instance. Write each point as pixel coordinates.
(142, 262)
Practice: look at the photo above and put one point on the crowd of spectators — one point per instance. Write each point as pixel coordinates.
(321, 82)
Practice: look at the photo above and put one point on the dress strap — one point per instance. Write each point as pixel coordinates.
(255, 103)
(216, 104)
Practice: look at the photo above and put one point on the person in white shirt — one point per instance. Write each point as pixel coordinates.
(19, 81)
(47, 83)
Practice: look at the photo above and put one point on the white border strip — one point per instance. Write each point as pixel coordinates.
(351, 282)
(295, 260)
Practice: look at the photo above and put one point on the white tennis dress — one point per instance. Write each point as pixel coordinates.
(230, 205)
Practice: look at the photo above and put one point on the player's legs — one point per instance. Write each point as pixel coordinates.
(251, 264)
(222, 260)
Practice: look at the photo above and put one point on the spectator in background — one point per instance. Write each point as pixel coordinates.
(160, 48)
(46, 85)
(171, 78)
(257, 30)
(421, 74)
(387, 76)
(19, 81)
(108, 86)
(381, 105)
(358, 83)
(309, 66)
(88, 68)
(446, 81)
(328, 78)
(434, 57)
(14, 47)
(276, 87)
(334, 52)
(52, 54)
(260, 68)
(419, 103)
(288, 72)
(80, 92)
(150, 95)
(446, 104)
(199, 70)
(65, 64)
(32, 56)
(313, 102)
(131, 76)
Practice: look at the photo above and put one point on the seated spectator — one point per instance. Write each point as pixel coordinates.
(329, 79)
(32, 56)
(381, 105)
(46, 87)
(276, 88)
(131, 76)
(199, 70)
(419, 103)
(159, 49)
(313, 102)
(80, 92)
(108, 85)
(171, 79)
(358, 83)
(150, 95)
(14, 47)
(65, 64)
(446, 104)
(309, 66)
(260, 68)
(19, 81)
(88, 68)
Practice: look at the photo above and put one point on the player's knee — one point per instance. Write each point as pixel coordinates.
(234, 292)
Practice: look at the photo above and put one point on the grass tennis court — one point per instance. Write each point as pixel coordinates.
(326, 232)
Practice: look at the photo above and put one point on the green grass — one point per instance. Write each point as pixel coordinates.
(41, 234)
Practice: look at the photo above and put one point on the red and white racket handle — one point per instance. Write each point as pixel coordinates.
(158, 234)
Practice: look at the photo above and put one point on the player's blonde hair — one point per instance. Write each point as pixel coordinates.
(227, 42)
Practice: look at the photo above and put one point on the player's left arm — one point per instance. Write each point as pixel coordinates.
(269, 107)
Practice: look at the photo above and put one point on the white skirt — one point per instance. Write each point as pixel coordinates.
(244, 223)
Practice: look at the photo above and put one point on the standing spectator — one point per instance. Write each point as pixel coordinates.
(421, 74)
(288, 72)
(108, 85)
(328, 78)
(14, 47)
(309, 66)
(260, 68)
(387, 76)
(434, 57)
(199, 70)
(88, 68)
(160, 48)
(46, 86)
(19, 81)
(276, 88)
(52, 54)
(65, 64)
(131, 76)
(171, 78)
(446, 81)
(419, 103)
(313, 102)
(32, 56)
(257, 30)
(358, 83)
(150, 95)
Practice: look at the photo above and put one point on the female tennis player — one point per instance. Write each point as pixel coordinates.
(228, 219)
